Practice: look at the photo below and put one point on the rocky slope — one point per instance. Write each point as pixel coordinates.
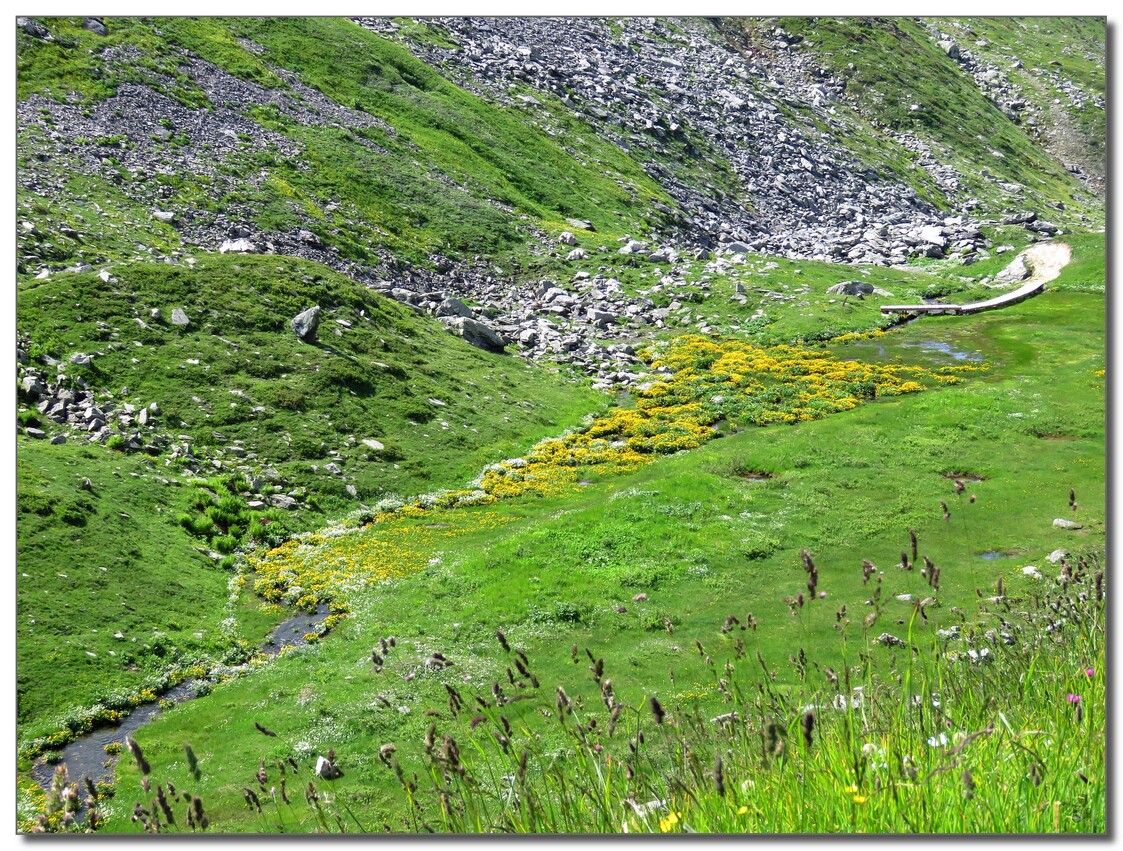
(681, 138)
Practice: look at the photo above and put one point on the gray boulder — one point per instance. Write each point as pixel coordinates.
(237, 246)
(306, 323)
(601, 318)
(95, 26)
(567, 238)
(857, 288)
(1015, 272)
(33, 387)
(577, 254)
(474, 332)
(454, 307)
(180, 318)
(33, 28)
(950, 48)
(933, 235)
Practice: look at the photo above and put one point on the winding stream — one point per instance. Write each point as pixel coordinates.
(86, 756)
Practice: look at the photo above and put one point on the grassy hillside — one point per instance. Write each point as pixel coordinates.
(254, 403)
(435, 171)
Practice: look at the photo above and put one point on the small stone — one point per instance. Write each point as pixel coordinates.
(179, 318)
(306, 323)
(1062, 523)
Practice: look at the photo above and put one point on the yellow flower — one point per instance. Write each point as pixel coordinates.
(667, 824)
(742, 811)
(851, 789)
(860, 799)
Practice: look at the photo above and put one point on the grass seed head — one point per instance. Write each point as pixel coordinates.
(807, 724)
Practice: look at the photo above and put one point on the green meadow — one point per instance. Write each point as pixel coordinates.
(685, 582)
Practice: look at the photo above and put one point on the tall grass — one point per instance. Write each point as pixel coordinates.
(995, 724)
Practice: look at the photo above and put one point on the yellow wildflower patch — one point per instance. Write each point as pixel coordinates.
(703, 382)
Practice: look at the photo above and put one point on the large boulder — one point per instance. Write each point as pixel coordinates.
(96, 26)
(306, 323)
(1014, 273)
(33, 28)
(454, 307)
(601, 318)
(857, 288)
(933, 236)
(474, 332)
(180, 318)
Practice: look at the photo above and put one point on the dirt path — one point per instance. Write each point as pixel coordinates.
(1045, 261)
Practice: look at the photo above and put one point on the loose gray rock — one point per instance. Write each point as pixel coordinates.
(33, 387)
(306, 323)
(634, 246)
(577, 254)
(1062, 523)
(237, 246)
(1055, 556)
(95, 26)
(165, 216)
(33, 28)
(1015, 272)
(567, 238)
(857, 288)
(454, 307)
(81, 359)
(932, 235)
(327, 769)
(37, 433)
(601, 318)
(179, 318)
(474, 333)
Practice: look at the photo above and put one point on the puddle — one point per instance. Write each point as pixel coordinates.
(584, 482)
(86, 756)
(945, 348)
(993, 554)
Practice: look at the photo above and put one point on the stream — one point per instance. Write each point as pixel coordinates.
(86, 756)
